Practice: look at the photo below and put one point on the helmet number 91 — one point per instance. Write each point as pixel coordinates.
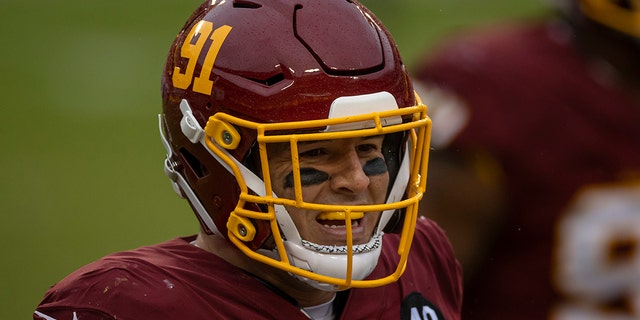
(199, 33)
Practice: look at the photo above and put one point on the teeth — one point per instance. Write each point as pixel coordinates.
(354, 223)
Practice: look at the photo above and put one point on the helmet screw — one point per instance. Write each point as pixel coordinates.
(242, 230)
(226, 137)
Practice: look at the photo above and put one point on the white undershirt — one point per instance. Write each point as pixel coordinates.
(322, 311)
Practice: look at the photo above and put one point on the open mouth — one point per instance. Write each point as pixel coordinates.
(338, 219)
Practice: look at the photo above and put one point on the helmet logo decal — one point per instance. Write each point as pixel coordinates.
(200, 33)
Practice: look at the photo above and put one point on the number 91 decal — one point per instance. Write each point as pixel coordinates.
(191, 51)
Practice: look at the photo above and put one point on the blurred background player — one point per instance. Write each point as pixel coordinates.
(536, 161)
(293, 130)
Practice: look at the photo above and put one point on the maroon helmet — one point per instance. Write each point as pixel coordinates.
(243, 72)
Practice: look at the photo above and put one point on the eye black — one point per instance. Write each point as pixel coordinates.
(308, 177)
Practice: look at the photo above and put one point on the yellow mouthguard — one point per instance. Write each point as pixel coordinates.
(339, 216)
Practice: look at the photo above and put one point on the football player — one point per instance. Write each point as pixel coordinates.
(293, 131)
(536, 160)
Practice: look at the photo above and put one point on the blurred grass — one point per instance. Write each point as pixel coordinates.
(82, 161)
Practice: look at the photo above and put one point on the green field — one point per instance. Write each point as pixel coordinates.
(81, 156)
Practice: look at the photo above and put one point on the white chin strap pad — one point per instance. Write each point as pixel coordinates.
(332, 265)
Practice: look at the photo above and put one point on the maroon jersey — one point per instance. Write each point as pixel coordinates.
(176, 280)
(566, 137)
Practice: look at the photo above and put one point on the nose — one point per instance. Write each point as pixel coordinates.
(349, 178)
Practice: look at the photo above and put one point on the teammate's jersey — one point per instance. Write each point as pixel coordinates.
(176, 280)
(566, 137)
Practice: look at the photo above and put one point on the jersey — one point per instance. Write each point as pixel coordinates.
(176, 280)
(566, 137)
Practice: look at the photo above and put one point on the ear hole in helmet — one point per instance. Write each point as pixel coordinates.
(192, 162)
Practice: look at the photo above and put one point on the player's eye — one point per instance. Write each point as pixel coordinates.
(367, 147)
(312, 153)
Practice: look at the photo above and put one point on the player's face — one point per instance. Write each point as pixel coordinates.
(341, 171)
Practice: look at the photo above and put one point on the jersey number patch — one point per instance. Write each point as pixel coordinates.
(417, 307)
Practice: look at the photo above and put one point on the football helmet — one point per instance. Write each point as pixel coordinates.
(620, 15)
(243, 75)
